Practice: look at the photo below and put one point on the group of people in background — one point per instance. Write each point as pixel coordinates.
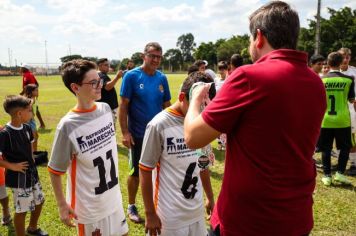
(339, 123)
(267, 116)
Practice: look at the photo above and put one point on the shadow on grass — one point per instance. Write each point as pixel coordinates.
(44, 131)
(346, 187)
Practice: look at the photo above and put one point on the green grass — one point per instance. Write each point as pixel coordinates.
(334, 208)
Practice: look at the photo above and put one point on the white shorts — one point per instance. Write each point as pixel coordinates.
(194, 229)
(112, 225)
(26, 199)
(3, 193)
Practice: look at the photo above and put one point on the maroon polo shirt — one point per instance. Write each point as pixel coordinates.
(271, 112)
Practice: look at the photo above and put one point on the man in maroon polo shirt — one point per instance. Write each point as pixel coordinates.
(271, 112)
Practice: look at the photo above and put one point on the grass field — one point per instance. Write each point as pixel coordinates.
(334, 208)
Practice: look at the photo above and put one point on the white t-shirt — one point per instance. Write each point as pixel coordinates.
(85, 146)
(178, 192)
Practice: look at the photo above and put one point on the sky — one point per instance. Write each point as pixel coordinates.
(116, 29)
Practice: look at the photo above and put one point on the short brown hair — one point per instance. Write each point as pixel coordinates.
(75, 70)
(278, 23)
(193, 78)
(13, 102)
(335, 59)
(154, 45)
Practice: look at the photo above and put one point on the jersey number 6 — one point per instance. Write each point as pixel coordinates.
(188, 181)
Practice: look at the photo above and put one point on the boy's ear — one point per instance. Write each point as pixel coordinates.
(74, 87)
(181, 96)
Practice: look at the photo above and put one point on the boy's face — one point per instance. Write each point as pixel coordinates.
(25, 114)
(90, 87)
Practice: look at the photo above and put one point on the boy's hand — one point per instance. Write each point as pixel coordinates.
(19, 167)
(209, 206)
(153, 224)
(66, 214)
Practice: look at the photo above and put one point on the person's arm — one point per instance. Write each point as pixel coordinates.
(205, 180)
(19, 167)
(66, 213)
(111, 84)
(197, 133)
(127, 139)
(38, 114)
(153, 223)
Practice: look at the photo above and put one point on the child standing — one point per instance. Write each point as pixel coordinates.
(173, 177)
(31, 91)
(85, 146)
(21, 175)
(223, 74)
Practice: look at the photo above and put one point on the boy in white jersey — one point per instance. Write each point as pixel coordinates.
(85, 146)
(174, 205)
(349, 70)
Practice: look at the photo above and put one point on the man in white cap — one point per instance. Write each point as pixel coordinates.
(27, 76)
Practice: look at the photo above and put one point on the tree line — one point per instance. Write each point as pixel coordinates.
(336, 32)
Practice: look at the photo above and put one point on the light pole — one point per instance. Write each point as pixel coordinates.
(46, 56)
(317, 32)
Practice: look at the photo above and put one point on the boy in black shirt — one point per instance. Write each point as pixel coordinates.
(21, 173)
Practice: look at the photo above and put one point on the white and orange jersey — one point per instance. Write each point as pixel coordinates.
(178, 192)
(85, 146)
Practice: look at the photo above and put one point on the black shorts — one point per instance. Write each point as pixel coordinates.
(342, 137)
(134, 157)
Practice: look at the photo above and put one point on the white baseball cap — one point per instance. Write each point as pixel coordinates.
(25, 65)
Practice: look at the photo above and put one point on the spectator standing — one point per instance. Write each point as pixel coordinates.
(27, 76)
(269, 175)
(108, 91)
(349, 70)
(144, 93)
(21, 172)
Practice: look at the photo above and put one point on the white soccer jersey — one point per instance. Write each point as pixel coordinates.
(178, 192)
(85, 146)
(351, 71)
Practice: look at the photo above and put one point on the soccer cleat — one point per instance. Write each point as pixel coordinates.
(133, 215)
(352, 171)
(326, 180)
(340, 178)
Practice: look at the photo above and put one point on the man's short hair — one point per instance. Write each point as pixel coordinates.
(13, 102)
(222, 65)
(335, 59)
(315, 59)
(74, 71)
(345, 51)
(278, 23)
(101, 60)
(128, 61)
(192, 78)
(236, 60)
(156, 46)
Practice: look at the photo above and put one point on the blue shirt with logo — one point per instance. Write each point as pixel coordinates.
(146, 94)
